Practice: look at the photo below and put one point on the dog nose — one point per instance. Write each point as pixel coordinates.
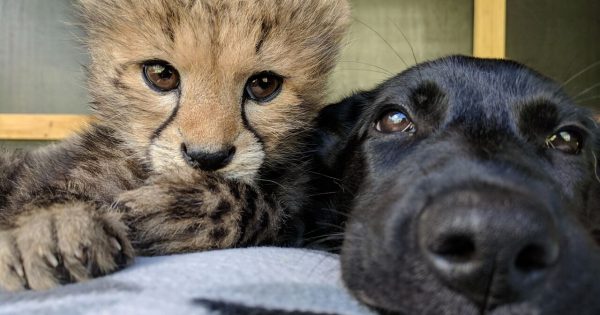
(207, 161)
(492, 255)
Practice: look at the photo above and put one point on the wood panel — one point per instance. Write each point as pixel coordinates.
(489, 28)
(40, 127)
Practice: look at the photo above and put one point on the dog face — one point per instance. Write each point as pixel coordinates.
(216, 85)
(474, 191)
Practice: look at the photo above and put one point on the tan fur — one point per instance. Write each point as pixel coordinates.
(63, 209)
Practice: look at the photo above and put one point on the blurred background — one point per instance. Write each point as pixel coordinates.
(41, 58)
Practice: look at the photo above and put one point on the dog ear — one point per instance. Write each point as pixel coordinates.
(336, 125)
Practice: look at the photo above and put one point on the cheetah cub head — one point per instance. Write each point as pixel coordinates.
(225, 86)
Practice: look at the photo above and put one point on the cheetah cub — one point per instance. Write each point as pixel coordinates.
(201, 111)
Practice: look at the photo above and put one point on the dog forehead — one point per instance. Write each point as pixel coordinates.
(487, 89)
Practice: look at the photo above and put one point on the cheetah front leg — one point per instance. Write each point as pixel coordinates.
(175, 216)
(62, 243)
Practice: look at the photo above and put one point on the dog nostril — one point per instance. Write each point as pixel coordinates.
(482, 251)
(456, 248)
(536, 257)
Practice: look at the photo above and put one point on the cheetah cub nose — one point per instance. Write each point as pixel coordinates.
(206, 160)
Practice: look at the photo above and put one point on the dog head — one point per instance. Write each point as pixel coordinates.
(216, 85)
(474, 190)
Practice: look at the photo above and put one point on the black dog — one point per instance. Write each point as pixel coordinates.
(472, 189)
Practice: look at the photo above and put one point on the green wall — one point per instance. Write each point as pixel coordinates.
(560, 39)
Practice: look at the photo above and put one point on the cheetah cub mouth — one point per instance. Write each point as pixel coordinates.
(229, 87)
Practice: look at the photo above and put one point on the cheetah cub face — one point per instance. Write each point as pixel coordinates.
(225, 86)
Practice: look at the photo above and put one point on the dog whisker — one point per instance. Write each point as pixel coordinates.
(368, 64)
(323, 240)
(412, 49)
(323, 194)
(365, 70)
(320, 237)
(586, 91)
(580, 73)
(344, 214)
(588, 99)
(384, 40)
(334, 226)
(272, 182)
(324, 175)
(594, 121)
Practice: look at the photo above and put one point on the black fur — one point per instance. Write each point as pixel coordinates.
(479, 147)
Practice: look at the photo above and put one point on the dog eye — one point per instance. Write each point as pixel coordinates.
(264, 87)
(567, 141)
(161, 76)
(394, 121)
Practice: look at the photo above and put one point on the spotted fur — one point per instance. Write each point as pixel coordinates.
(123, 186)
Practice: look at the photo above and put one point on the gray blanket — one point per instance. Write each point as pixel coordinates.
(251, 281)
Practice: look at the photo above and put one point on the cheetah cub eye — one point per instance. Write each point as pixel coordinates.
(263, 87)
(160, 75)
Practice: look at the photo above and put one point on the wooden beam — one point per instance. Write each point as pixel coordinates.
(40, 127)
(489, 29)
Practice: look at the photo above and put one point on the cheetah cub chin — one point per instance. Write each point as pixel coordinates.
(202, 108)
